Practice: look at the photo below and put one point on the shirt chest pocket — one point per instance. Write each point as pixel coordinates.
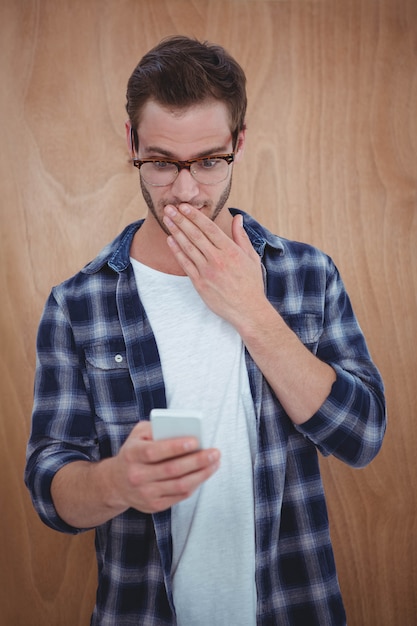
(110, 382)
(308, 327)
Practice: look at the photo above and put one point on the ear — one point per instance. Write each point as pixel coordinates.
(240, 144)
(129, 138)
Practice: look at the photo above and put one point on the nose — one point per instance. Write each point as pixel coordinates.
(185, 187)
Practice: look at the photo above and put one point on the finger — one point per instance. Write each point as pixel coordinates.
(199, 228)
(204, 224)
(165, 493)
(165, 449)
(190, 246)
(188, 266)
(156, 487)
(186, 465)
(142, 448)
(189, 239)
(187, 235)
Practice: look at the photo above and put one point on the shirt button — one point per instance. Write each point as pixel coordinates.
(118, 358)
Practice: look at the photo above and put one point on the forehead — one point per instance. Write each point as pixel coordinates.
(184, 132)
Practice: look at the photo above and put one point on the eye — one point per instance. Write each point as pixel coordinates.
(208, 164)
(162, 165)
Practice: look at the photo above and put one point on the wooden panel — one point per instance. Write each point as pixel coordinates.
(330, 159)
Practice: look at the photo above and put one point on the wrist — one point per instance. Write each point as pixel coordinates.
(109, 485)
(259, 321)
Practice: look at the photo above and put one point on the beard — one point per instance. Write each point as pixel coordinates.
(175, 201)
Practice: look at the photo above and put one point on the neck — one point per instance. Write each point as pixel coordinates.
(149, 246)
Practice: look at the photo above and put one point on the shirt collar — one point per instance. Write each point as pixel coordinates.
(117, 253)
(259, 235)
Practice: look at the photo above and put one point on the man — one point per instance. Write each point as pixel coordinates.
(200, 307)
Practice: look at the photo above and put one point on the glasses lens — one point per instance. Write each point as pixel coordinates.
(210, 171)
(159, 173)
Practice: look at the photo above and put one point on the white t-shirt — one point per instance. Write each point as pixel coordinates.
(203, 365)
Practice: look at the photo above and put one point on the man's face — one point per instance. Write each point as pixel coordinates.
(200, 130)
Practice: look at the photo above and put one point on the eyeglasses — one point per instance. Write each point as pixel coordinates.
(208, 170)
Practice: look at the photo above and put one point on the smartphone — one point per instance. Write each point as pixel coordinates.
(169, 423)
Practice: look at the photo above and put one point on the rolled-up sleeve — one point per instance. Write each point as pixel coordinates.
(62, 422)
(352, 421)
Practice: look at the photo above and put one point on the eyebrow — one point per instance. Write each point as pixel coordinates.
(170, 155)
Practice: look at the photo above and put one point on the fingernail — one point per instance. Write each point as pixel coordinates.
(216, 466)
(189, 445)
(170, 210)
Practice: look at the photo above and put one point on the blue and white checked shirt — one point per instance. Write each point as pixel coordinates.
(98, 373)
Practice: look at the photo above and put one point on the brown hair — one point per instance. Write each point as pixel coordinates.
(180, 72)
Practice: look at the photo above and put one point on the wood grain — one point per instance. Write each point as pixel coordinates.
(330, 159)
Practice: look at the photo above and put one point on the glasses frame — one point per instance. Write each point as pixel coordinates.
(184, 165)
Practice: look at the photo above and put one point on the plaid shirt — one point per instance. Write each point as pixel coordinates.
(98, 373)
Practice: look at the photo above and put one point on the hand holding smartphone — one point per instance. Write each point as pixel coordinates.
(169, 423)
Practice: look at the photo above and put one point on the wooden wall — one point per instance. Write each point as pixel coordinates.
(330, 159)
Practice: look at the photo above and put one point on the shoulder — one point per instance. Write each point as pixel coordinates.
(104, 268)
